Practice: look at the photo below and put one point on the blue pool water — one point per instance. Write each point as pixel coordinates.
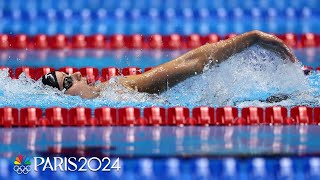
(162, 142)
(171, 152)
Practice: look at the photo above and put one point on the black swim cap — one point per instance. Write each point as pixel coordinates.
(50, 79)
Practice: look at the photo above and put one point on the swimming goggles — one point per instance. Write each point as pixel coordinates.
(67, 83)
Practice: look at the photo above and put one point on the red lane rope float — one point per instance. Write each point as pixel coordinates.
(177, 116)
(173, 41)
(40, 41)
(29, 116)
(276, 115)
(59, 41)
(158, 116)
(78, 41)
(69, 69)
(91, 73)
(203, 115)
(57, 116)
(135, 41)
(29, 71)
(155, 41)
(80, 116)
(194, 41)
(106, 116)
(129, 116)
(4, 41)
(253, 115)
(109, 72)
(155, 115)
(302, 114)
(316, 115)
(19, 41)
(9, 117)
(310, 40)
(290, 39)
(226, 115)
(117, 41)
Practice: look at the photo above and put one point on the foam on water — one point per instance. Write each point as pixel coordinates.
(245, 79)
(248, 78)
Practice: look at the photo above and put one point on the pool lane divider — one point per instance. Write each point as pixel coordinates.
(158, 116)
(135, 41)
(92, 74)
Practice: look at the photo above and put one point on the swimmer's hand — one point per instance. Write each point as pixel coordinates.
(275, 44)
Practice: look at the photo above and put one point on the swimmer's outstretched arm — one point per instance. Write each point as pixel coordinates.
(193, 62)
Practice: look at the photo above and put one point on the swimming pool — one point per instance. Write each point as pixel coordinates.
(146, 149)
(246, 147)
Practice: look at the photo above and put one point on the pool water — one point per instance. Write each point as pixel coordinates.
(245, 79)
(223, 152)
(162, 142)
(233, 152)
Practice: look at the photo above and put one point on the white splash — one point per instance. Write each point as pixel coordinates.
(245, 78)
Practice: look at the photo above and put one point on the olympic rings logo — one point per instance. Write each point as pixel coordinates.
(22, 169)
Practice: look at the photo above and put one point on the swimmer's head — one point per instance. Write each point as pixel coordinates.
(73, 84)
(50, 79)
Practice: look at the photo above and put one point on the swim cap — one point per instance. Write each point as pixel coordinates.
(50, 79)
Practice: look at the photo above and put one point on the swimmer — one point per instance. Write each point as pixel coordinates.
(168, 74)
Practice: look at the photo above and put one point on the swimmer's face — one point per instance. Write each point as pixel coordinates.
(80, 86)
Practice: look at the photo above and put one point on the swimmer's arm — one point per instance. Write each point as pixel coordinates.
(222, 50)
(193, 62)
